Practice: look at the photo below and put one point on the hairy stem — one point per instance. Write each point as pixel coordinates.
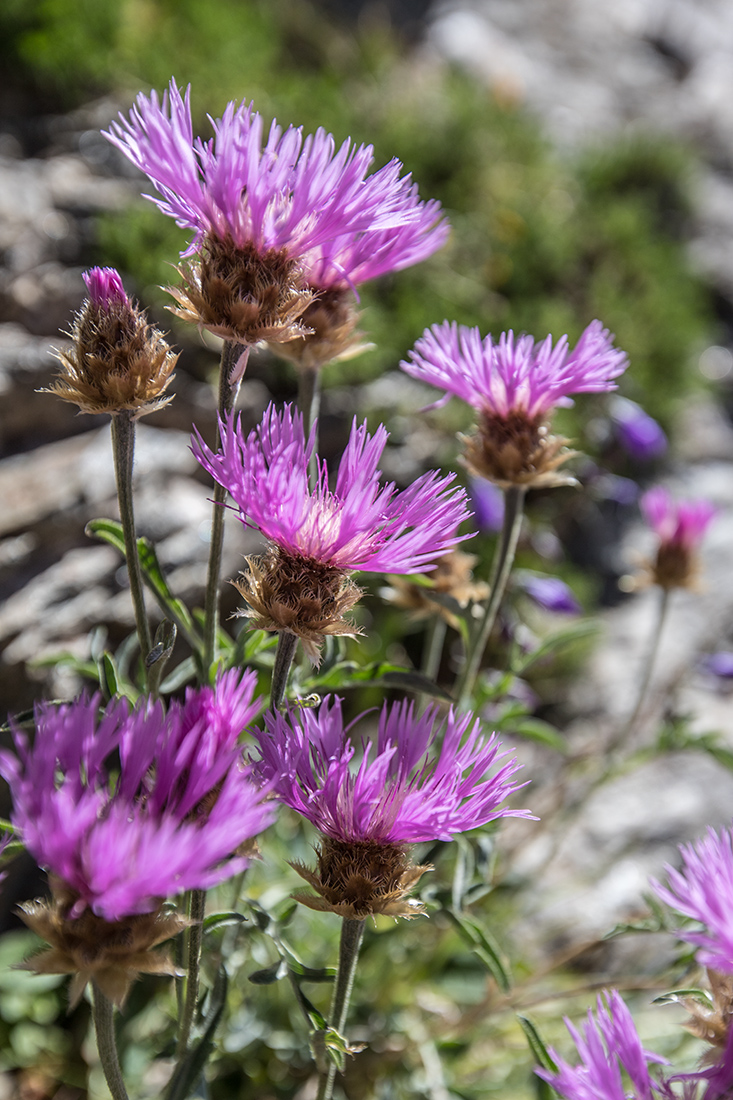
(500, 570)
(286, 645)
(230, 375)
(352, 933)
(196, 912)
(123, 447)
(104, 1026)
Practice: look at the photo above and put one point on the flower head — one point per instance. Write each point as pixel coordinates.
(680, 528)
(445, 590)
(608, 1043)
(638, 433)
(320, 535)
(514, 384)
(404, 789)
(125, 810)
(551, 593)
(117, 362)
(267, 210)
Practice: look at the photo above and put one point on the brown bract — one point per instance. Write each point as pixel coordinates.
(241, 294)
(713, 1024)
(332, 319)
(111, 953)
(358, 879)
(300, 596)
(517, 450)
(117, 362)
(451, 580)
(676, 566)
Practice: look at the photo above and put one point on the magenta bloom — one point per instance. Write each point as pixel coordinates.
(514, 375)
(609, 1043)
(703, 891)
(682, 523)
(359, 524)
(167, 818)
(408, 787)
(105, 288)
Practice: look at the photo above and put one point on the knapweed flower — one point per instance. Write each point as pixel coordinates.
(117, 361)
(318, 537)
(268, 216)
(550, 593)
(125, 809)
(680, 527)
(514, 384)
(608, 1044)
(637, 432)
(487, 501)
(703, 891)
(421, 781)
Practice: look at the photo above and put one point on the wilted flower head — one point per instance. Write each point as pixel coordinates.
(638, 433)
(420, 781)
(125, 810)
(680, 527)
(117, 362)
(608, 1043)
(263, 210)
(514, 384)
(319, 536)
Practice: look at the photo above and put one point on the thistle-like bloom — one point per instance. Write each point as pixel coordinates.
(638, 433)
(124, 811)
(117, 362)
(514, 384)
(422, 781)
(608, 1043)
(319, 536)
(551, 593)
(680, 527)
(703, 891)
(265, 213)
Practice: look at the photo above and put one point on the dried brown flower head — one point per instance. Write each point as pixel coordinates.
(517, 450)
(451, 579)
(117, 362)
(332, 318)
(112, 954)
(242, 294)
(358, 879)
(299, 596)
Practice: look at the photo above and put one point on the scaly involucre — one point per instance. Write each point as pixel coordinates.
(167, 818)
(360, 524)
(282, 192)
(422, 781)
(703, 891)
(514, 374)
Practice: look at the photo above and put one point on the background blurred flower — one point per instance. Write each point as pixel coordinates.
(638, 433)
(550, 593)
(680, 527)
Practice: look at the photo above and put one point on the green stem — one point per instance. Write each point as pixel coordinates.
(628, 727)
(123, 447)
(231, 356)
(286, 644)
(500, 570)
(309, 403)
(433, 647)
(104, 1027)
(197, 911)
(352, 933)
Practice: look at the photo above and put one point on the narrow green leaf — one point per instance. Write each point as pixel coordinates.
(308, 974)
(702, 996)
(578, 632)
(192, 1066)
(270, 974)
(534, 729)
(108, 682)
(537, 1044)
(482, 943)
(179, 676)
(222, 920)
(108, 530)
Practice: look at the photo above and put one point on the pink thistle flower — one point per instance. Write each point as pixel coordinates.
(425, 780)
(680, 527)
(105, 288)
(703, 891)
(514, 384)
(608, 1043)
(321, 535)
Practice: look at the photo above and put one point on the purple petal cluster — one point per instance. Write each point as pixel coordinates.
(282, 191)
(514, 374)
(126, 835)
(552, 594)
(608, 1043)
(703, 891)
(359, 524)
(638, 433)
(105, 288)
(682, 523)
(423, 779)
(487, 501)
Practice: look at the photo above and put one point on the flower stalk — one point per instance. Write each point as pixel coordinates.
(629, 726)
(104, 1027)
(286, 646)
(196, 913)
(123, 446)
(230, 375)
(352, 933)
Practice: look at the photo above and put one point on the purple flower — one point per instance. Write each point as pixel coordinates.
(488, 504)
(682, 523)
(166, 819)
(703, 891)
(638, 433)
(608, 1043)
(514, 375)
(719, 664)
(552, 594)
(105, 288)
